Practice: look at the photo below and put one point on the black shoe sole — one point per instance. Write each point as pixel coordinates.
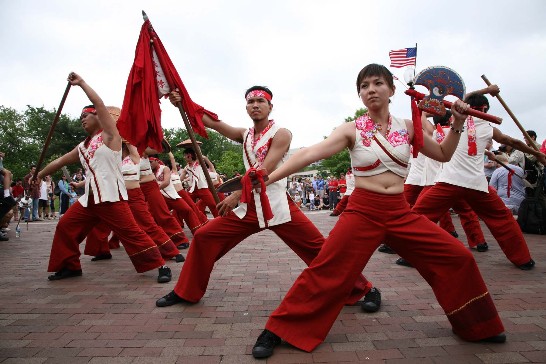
(262, 354)
(403, 262)
(162, 302)
(164, 279)
(101, 257)
(497, 339)
(70, 274)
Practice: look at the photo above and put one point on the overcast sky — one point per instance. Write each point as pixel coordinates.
(308, 52)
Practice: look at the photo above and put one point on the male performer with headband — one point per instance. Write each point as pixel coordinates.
(463, 178)
(199, 190)
(177, 184)
(264, 145)
(105, 197)
(156, 203)
(97, 241)
(176, 203)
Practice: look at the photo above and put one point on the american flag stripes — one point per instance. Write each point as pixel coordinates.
(403, 57)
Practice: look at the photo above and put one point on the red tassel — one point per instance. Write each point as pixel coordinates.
(472, 149)
(246, 181)
(418, 141)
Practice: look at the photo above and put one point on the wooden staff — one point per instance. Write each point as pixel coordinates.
(51, 130)
(533, 145)
(198, 152)
(508, 168)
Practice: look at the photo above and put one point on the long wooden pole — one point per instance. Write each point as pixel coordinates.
(51, 130)
(533, 145)
(198, 152)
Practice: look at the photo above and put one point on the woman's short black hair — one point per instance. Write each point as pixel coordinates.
(374, 69)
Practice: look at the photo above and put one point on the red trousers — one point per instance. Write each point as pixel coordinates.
(204, 198)
(187, 198)
(469, 221)
(160, 212)
(412, 192)
(97, 240)
(488, 206)
(310, 308)
(78, 221)
(220, 235)
(183, 212)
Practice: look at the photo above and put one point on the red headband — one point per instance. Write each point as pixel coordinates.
(89, 110)
(154, 159)
(258, 93)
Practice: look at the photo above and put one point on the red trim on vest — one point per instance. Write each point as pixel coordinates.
(395, 160)
(94, 176)
(368, 168)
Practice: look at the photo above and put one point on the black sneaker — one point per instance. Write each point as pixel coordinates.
(527, 266)
(102, 257)
(497, 339)
(384, 248)
(179, 258)
(170, 299)
(184, 246)
(372, 301)
(265, 344)
(165, 275)
(402, 261)
(4, 237)
(65, 273)
(483, 247)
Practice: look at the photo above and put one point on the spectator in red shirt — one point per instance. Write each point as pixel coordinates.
(342, 185)
(332, 189)
(17, 191)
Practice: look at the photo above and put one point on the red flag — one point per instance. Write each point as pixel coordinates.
(152, 76)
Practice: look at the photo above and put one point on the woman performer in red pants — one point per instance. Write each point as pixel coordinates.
(379, 145)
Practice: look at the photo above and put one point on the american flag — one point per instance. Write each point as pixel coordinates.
(403, 57)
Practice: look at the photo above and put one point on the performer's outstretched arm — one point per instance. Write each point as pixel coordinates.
(501, 138)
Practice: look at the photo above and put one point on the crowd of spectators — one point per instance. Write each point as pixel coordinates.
(23, 201)
(317, 193)
(512, 172)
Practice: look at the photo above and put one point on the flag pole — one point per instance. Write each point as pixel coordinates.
(190, 131)
(51, 130)
(415, 61)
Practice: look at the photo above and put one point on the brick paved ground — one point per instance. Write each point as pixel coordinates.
(109, 314)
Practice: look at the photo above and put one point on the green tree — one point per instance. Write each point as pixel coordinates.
(23, 134)
(231, 163)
